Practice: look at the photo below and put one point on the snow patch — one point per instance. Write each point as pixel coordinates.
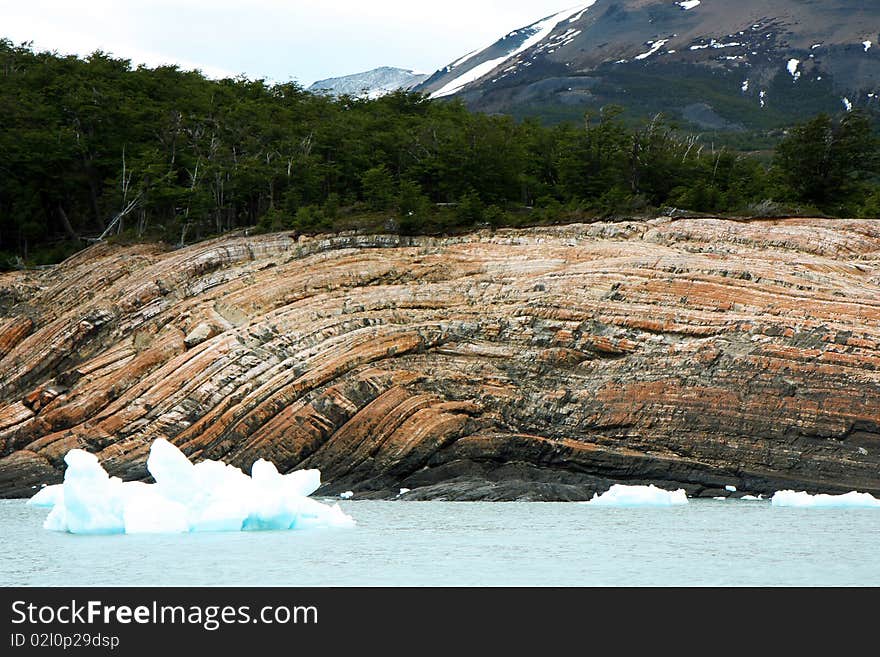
(762, 98)
(745, 86)
(730, 489)
(464, 59)
(582, 12)
(847, 104)
(688, 4)
(638, 496)
(347, 495)
(714, 43)
(867, 45)
(803, 500)
(655, 46)
(540, 31)
(187, 497)
(792, 67)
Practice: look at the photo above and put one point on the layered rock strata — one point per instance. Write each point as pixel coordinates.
(534, 364)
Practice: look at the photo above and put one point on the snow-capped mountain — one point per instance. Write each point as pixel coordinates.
(716, 64)
(375, 83)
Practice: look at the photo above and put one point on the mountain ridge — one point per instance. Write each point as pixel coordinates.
(708, 63)
(372, 84)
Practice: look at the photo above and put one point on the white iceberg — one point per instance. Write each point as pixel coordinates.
(48, 497)
(187, 497)
(638, 496)
(804, 500)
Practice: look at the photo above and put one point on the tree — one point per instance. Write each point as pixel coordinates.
(824, 162)
(378, 188)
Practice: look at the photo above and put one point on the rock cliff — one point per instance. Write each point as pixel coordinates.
(534, 364)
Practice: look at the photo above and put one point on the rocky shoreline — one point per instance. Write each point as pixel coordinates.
(542, 364)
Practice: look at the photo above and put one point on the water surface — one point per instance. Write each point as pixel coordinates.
(707, 542)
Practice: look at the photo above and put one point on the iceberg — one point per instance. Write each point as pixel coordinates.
(638, 496)
(187, 497)
(48, 497)
(803, 500)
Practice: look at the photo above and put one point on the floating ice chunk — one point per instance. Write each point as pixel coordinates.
(720, 499)
(92, 500)
(347, 495)
(48, 497)
(303, 482)
(173, 472)
(632, 496)
(752, 498)
(730, 489)
(804, 500)
(207, 496)
(150, 513)
(313, 514)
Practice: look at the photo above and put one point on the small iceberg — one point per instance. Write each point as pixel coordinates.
(803, 500)
(187, 497)
(48, 497)
(638, 496)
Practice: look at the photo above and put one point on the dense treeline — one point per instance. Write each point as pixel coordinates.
(92, 148)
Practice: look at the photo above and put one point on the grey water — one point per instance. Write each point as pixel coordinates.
(705, 543)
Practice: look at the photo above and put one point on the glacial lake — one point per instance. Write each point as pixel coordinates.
(704, 543)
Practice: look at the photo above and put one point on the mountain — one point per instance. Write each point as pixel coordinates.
(375, 83)
(714, 64)
(544, 363)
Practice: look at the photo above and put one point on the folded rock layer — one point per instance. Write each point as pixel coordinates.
(544, 363)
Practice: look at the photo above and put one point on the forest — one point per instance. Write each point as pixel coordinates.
(93, 148)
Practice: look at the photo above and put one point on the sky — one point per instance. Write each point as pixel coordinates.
(276, 40)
